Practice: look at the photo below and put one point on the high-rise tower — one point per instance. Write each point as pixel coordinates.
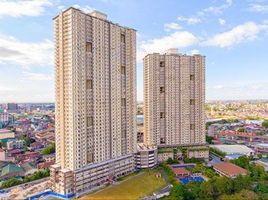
(174, 99)
(95, 72)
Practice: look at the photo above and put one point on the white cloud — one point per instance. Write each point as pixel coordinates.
(36, 76)
(61, 7)
(189, 20)
(261, 8)
(221, 21)
(25, 53)
(179, 39)
(172, 26)
(23, 8)
(199, 16)
(217, 9)
(86, 9)
(240, 33)
(195, 51)
(217, 87)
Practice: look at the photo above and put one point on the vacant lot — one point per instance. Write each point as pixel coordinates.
(134, 187)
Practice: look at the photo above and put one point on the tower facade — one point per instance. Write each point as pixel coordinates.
(95, 76)
(174, 99)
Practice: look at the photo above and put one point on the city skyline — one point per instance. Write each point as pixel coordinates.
(232, 44)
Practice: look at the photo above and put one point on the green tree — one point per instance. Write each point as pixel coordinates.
(243, 195)
(242, 161)
(37, 175)
(169, 173)
(265, 123)
(27, 140)
(207, 190)
(241, 129)
(262, 187)
(217, 152)
(224, 185)
(242, 182)
(193, 190)
(258, 173)
(48, 150)
(260, 156)
(10, 182)
(210, 173)
(209, 139)
(198, 168)
(171, 161)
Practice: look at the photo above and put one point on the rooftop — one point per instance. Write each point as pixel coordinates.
(230, 169)
(264, 145)
(5, 130)
(233, 149)
(143, 147)
(180, 171)
(11, 168)
(95, 14)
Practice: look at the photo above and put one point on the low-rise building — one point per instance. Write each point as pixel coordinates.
(49, 157)
(234, 151)
(45, 164)
(90, 177)
(27, 157)
(11, 170)
(36, 145)
(6, 156)
(46, 135)
(29, 168)
(228, 169)
(164, 154)
(213, 128)
(4, 118)
(15, 144)
(6, 134)
(261, 147)
(180, 172)
(146, 156)
(201, 152)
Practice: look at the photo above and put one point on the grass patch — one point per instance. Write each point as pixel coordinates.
(135, 187)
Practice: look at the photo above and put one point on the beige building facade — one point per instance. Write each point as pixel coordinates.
(95, 75)
(174, 99)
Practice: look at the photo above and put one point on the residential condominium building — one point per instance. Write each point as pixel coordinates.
(95, 72)
(174, 99)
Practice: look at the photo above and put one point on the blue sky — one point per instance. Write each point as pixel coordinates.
(232, 34)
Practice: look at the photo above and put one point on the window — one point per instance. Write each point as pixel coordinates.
(192, 101)
(89, 121)
(162, 89)
(162, 64)
(89, 84)
(89, 157)
(123, 70)
(123, 102)
(123, 38)
(124, 133)
(162, 140)
(162, 115)
(192, 126)
(191, 77)
(89, 47)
